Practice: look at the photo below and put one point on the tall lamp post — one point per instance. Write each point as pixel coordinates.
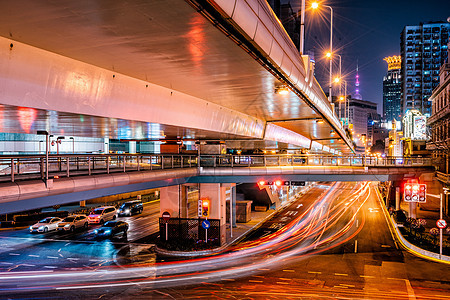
(43, 132)
(302, 29)
(314, 6)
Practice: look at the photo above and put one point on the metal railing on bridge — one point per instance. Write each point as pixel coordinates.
(21, 167)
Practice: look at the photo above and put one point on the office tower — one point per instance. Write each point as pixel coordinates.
(423, 51)
(392, 89)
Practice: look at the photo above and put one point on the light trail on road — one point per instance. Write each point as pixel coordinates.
(328, 222)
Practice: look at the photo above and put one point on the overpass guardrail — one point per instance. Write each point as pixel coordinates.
(22, 167)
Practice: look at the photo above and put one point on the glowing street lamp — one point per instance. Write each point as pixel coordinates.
(315, 5)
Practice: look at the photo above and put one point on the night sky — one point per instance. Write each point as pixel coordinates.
(365, 31)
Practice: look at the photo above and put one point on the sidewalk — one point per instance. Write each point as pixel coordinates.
(428, 211)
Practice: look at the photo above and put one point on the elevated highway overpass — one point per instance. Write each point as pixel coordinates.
(115, 174)
(161, 70)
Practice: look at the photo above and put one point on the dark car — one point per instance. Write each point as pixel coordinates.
(111, 229)
(130, 208)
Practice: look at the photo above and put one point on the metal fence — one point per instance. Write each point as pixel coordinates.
(310, 160)
(188, 234)
(33, 166)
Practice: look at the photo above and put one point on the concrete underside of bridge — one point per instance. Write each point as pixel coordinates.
(26, 195)
(152, 70)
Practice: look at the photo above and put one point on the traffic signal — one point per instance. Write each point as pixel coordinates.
(415, 192)
(205, 207)
(422, 193)
(407, 192)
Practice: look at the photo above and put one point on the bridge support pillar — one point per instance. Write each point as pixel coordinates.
(170, 200)
(216, 192)
(397, 198)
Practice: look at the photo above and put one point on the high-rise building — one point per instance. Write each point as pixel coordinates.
(392, 89)
(439, 124)
(423, 51)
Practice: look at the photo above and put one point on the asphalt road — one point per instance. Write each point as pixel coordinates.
(21, 250)
(333, 243)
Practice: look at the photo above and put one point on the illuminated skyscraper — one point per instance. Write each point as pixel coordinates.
(392, 89)
(357, 94)
(423, 51)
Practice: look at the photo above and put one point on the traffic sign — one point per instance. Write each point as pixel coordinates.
(206, 224)
(298, 183)
(441, 223)
(166, 216)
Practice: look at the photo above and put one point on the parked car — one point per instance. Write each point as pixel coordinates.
(73, 222)
(112, 228)
(45, 225)
(102, 214)
(130, 208)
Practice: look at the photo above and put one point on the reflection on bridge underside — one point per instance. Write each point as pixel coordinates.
(326, 223)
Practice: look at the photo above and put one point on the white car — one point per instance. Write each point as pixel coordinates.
(102, 214)
(45, 225)
(73, 222)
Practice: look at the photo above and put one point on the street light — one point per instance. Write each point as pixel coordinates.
(43, 132)
(58, 141)
(315, 5)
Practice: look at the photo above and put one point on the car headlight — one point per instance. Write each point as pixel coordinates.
(67, 225)
(31, 227)
(95, 231)
(127, 211)
(41, 227)
(107, 231)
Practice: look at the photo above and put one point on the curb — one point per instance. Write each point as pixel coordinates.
(417, 251)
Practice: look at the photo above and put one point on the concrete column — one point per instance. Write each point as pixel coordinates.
(216, 192)
(184, 201)
(132, 147)
(169, 200)
(106, 145)
(233, 206)
(397, 198)
(83, 203)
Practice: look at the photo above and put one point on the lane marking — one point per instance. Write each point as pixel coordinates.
(367, 276)
(288, 270)
(385, 246)
(50, 267)
(53, 257)
(409, 290)
(73, 258)
(264, 269)
(228, 279)
(282, 282)
(256, 281)
(357, 223)
(311, 272)
(6, 263)
(27, 265)
(356, 246)
(33, 255)
(14, 254)
(347, 285)
(340, 274)
(285, 278)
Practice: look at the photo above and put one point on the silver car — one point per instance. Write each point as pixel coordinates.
(45, 225)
